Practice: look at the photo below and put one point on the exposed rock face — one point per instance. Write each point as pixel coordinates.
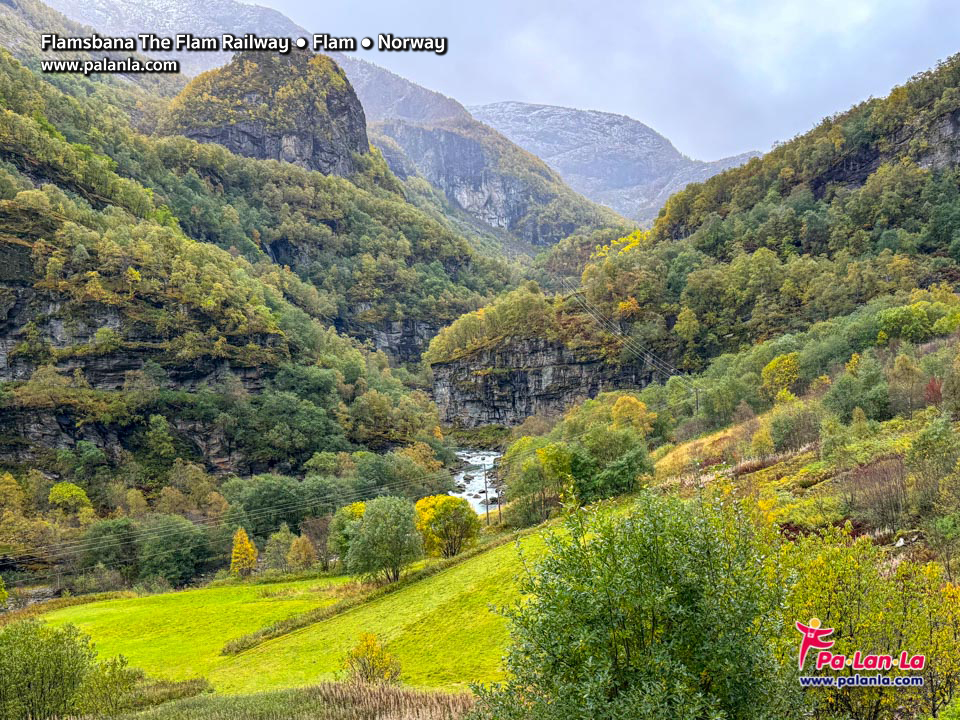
(611, 159)
(939, 149)
(297, 108)
(458, 166)
(303, 149)
(404, 340)
(23, 307)
(68, 333)
(465, 163)
(508, 383)
(29, 435)
(943, 143)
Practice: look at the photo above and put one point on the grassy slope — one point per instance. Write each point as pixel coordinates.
(179, 635)
(442, 628)
(799, 488)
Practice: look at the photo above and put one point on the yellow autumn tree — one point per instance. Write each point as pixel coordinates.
(243, 559)
(781, 373)
(302, 554)
(628, 411)
(447, 524)
(369, 662)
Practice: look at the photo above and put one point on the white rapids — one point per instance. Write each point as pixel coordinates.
(469, 480)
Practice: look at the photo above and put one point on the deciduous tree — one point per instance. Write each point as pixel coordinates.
(448, 524)
(243, 557)
(387, 540)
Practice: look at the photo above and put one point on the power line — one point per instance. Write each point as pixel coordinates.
(631, 343)
(204, 524)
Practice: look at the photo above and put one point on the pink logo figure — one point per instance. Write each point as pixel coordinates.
(813, 637)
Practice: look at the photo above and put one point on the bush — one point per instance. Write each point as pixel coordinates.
(369, 662)
(96, 580)
(645, 617)
(152, 585)
(43, 670)
(877, 493)
(794, 425)
(932, 457)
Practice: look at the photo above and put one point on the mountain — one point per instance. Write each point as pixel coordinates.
(165, 17)
(422, 133)
(864, 209)
(387, 96)
(23, 21)
(611, 159)
(298, 108)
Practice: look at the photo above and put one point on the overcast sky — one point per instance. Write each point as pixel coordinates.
(716, 78)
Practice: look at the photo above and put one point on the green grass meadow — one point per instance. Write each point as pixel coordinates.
(443, 629)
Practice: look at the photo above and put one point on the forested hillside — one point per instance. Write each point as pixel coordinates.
(373, 258)
(173, 313)
(863, 206)
(248, 359)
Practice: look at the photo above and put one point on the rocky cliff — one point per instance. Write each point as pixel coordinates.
(611, 159)
(491, 179)
(298, 108)
(517, 378)
(104, 348)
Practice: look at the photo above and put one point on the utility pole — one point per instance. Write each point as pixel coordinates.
(499, 490)
(486, 496)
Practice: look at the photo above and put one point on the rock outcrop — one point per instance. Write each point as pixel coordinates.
(404, 340)
(517, 378)
(45, 327)
(298, 108)
(69, 341)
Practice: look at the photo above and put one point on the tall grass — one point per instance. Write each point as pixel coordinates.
(327, 701)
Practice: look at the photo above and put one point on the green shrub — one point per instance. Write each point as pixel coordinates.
(43, 670)
(643, 617)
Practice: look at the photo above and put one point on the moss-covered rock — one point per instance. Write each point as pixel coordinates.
(298, 108)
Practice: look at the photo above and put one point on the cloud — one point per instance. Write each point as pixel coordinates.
(716, 77)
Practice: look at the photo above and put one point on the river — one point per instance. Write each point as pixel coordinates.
(469, 479)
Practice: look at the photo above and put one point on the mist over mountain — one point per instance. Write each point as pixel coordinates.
(611, 159)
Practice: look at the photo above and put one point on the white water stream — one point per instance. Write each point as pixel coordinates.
(469, 480)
